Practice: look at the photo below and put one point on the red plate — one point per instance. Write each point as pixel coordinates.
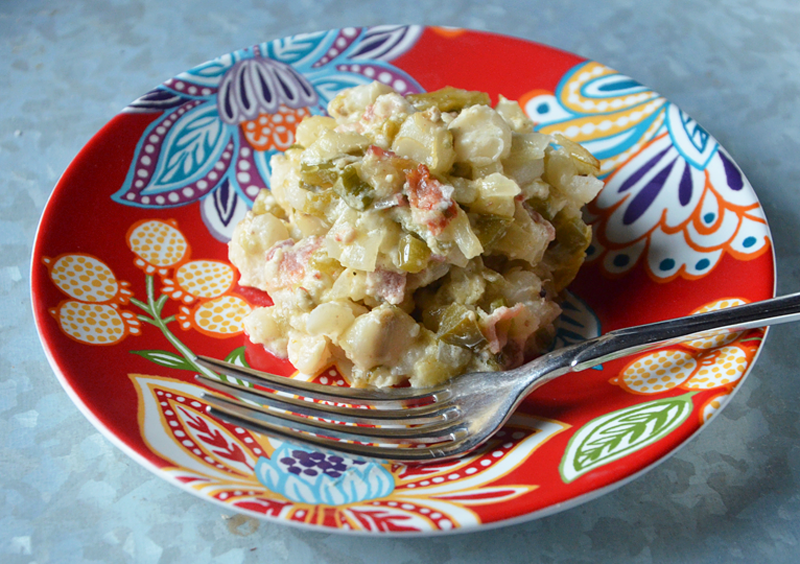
(130, 278)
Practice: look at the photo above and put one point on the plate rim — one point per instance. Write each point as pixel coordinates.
(40, 317)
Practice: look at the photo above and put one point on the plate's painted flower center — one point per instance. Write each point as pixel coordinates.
(306, 476)
(313, 464)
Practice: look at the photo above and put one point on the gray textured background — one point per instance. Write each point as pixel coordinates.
(67, 495)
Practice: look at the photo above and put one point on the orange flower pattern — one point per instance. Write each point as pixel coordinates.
(92, 315)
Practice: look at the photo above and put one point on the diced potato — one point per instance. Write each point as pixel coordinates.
(525, 239)
(311, 128)
(480, 136)
(525, 161)
(583, 189)
(495, 195)
(355, 238)
(350, 104)
(265, 326)
(308, 353)
(510, 111)
(330, 319)
(310, 225)
(425, 140)
(464, 191)
(559, 169)
(350, 284)
(440, 362)
(584, 160)
(384, 175)
(496, 184)
(265, 203)
(379, 337)
(460, 232)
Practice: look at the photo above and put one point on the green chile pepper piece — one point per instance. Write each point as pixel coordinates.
(414, 254)
(448, 99)
(459, 326)
(490, 228)
(355, 192)
(318, 175)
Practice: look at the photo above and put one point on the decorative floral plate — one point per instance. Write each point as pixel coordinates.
(130, 278)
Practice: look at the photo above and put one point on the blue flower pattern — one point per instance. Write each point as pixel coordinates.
(306, 476)
(196, 150)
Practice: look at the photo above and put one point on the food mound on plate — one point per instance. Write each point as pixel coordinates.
(415, 238)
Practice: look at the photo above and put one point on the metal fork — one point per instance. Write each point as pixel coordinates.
(447, 421)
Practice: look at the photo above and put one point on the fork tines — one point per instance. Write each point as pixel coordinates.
(355, 421)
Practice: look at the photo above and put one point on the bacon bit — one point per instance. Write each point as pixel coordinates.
(380, 153)
(498, 335)
(425, 193)
(387, 285)
(293, 262)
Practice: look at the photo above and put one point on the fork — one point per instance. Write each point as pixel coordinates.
(415, 425)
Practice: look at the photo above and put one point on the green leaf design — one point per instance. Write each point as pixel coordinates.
(166, 358)
(237, 357)
(617, 434)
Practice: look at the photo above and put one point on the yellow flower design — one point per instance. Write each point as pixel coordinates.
(95, 324)
(199, 279)
(703, 363)
(157, 245)
(92, 316)
(86, 278)
(220, 317)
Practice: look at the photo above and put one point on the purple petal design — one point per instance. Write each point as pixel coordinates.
(157, 100)
(222, 211)
(647, 194)
(386, 42)
(259, 86)
(344, 39)
(225, 201)
(732, 174)
(685, 187)
(333, 480)
(637, 176)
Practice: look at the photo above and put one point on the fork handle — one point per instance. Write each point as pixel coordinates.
(631, 340)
